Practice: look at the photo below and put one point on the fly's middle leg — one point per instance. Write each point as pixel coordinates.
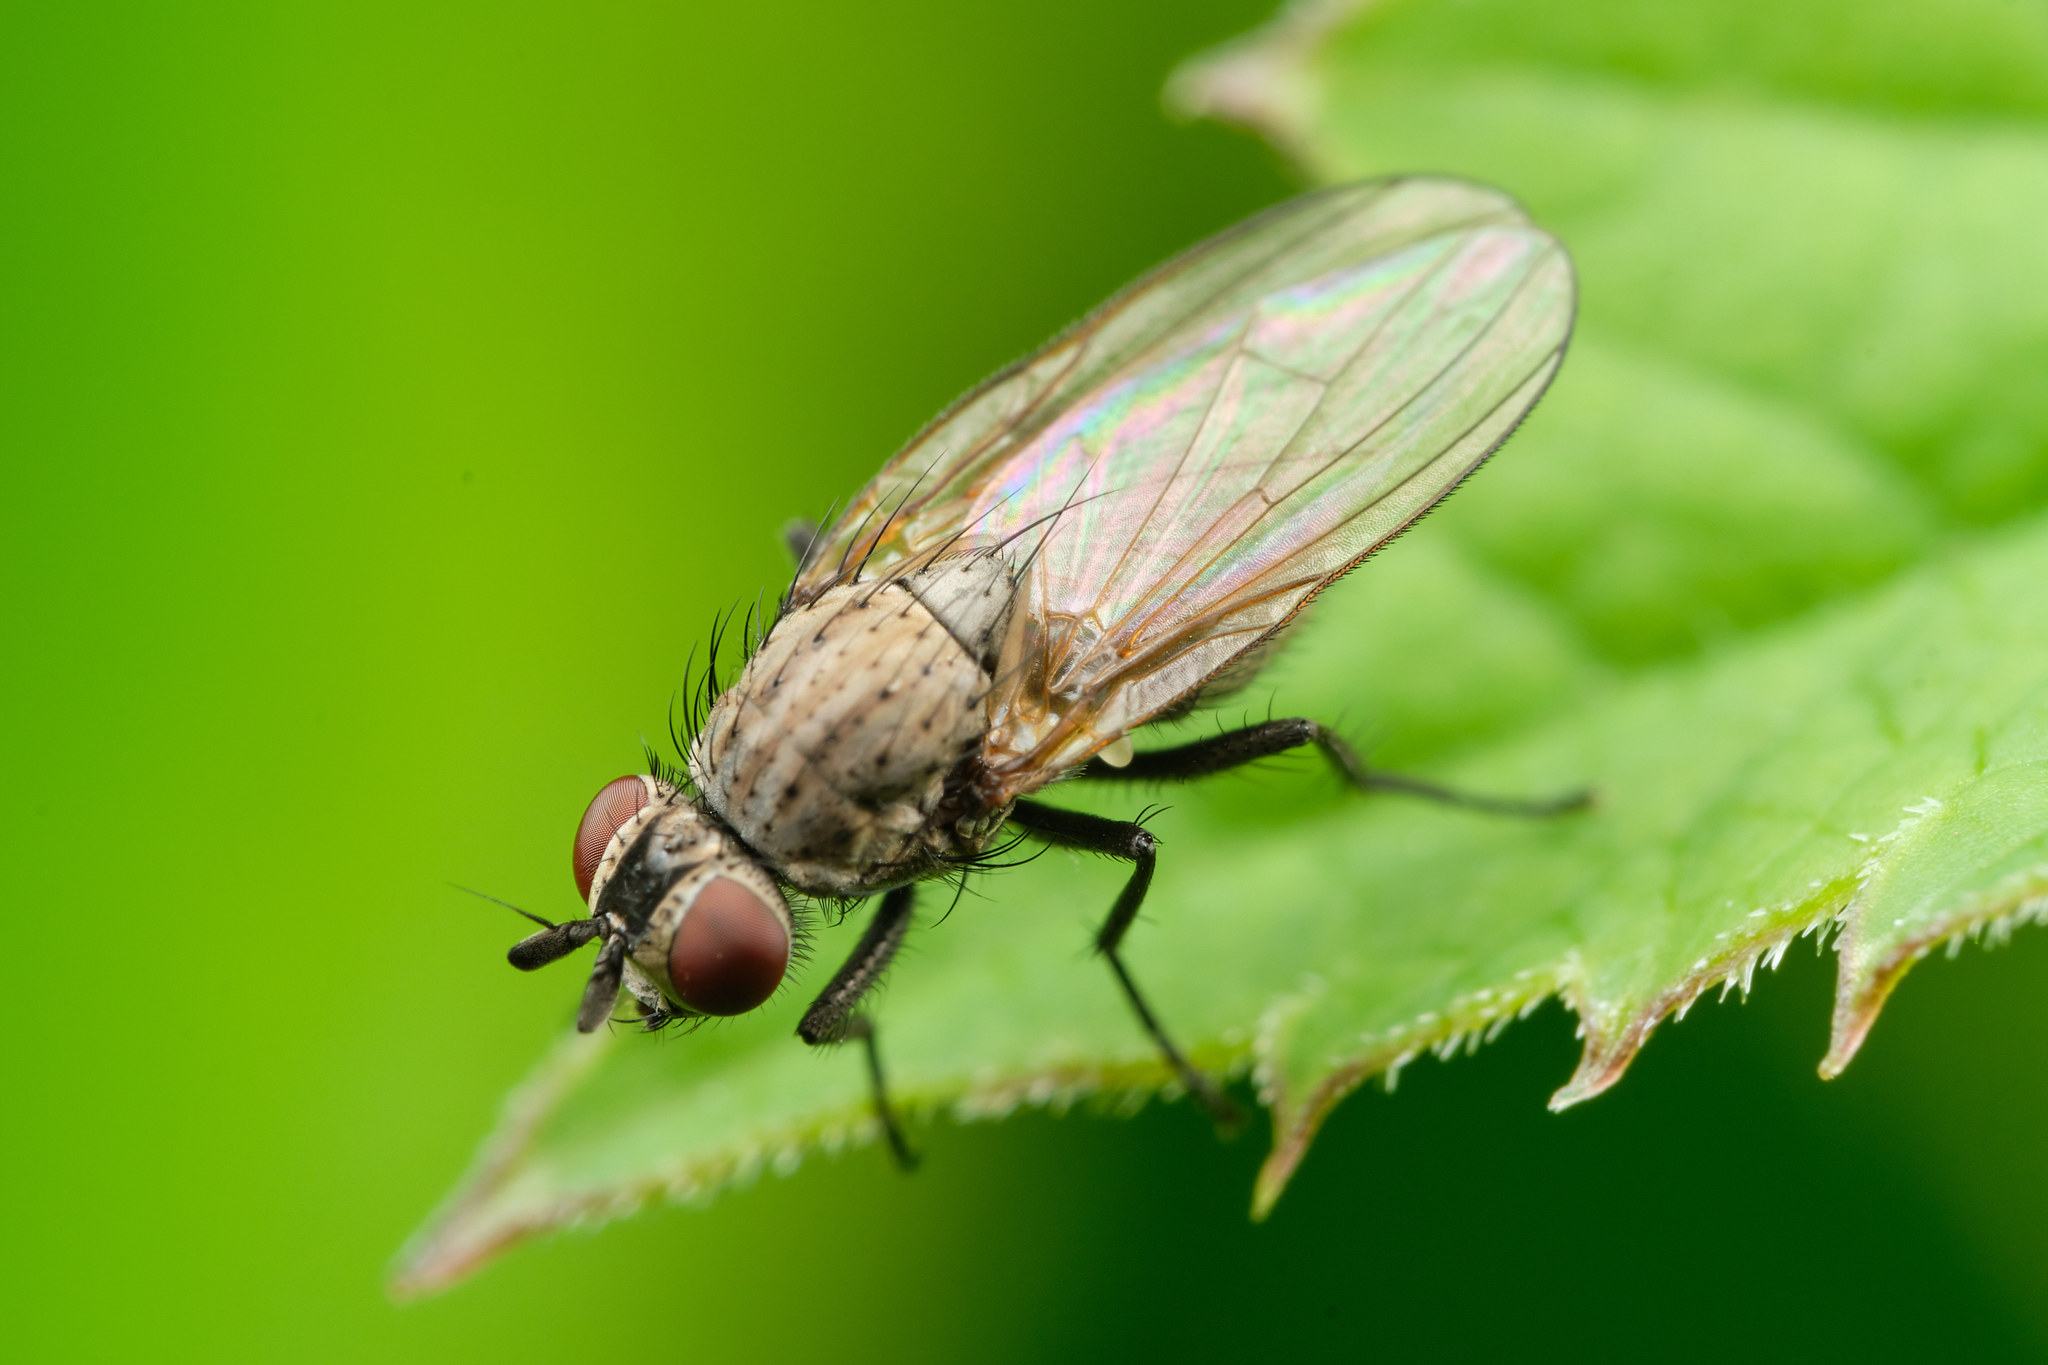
(1235, 748)
(1133, 844)
(832, 1018)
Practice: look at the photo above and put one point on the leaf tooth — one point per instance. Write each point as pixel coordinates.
(1467, 1021)
(1607, 1054)
(1925, 883)
(1613, 1035)
(1873, 965)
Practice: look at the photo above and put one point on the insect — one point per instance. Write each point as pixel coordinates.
(1094, 540)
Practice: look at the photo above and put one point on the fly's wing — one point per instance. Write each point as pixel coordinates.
(1190, 507)
(1185, 469)
(933, 490)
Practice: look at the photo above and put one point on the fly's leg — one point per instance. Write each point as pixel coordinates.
(1132, 843)
(863, 1028)
(1205, 756)
(831, 1017)
(827, 1020)
(601, 992)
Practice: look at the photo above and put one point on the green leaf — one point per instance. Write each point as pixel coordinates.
(1765, 569)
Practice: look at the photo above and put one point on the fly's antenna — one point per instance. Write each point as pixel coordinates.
(553, 942)
(482, 895)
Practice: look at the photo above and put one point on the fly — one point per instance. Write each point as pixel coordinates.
(1094, 540)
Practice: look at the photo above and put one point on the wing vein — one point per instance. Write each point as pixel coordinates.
(1285, 501)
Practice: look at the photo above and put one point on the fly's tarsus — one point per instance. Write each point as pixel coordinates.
(906, 1157)
(832, 1017)
(1235, 748)
(1128, 841)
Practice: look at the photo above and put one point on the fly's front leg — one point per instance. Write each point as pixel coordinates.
(1132, 843)
(831, 1017)
(1186, 762)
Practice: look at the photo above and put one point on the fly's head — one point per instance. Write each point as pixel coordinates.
(684, 919)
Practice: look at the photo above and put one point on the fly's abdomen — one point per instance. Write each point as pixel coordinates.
(830, 755)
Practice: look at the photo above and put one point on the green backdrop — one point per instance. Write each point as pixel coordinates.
(390, 397)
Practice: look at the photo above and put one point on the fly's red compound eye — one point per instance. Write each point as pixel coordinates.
(619, 801)
(731, 951)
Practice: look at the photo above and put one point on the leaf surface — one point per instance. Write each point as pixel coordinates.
(1765, 569)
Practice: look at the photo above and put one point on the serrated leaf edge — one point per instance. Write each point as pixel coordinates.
(465, 1232)
(1866, 981)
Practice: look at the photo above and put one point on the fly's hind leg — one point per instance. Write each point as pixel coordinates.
(1132, 843)
(1186, 762)
(831, 1017)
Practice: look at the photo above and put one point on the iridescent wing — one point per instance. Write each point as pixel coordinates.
(1183, 470)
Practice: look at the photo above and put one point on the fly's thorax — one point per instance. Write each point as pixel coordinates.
(705, 926)
(842, 751)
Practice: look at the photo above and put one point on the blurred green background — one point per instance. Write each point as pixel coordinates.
(390, 397)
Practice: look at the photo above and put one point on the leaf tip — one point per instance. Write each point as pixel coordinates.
(1904, 913)
(1276, 1171)
(1600, 1066)
(1859, 997)
(434, 1261)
